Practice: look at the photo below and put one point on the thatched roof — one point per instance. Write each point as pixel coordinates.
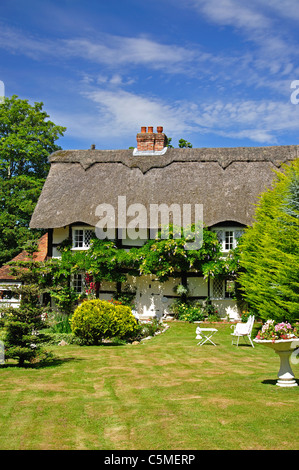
(227, 181)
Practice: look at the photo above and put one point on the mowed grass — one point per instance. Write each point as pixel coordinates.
(165, 394)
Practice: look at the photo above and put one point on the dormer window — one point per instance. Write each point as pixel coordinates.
(82, 237)
(228, 236)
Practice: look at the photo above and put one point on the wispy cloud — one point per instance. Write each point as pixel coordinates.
(109, 50)
(120, 113)
(115, 50)
(236, 13)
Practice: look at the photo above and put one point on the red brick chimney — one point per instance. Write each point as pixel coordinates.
(147, 140)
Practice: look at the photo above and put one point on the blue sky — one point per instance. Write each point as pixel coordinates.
(217, 73)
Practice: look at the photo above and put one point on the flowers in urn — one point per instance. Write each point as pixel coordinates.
(276, 331)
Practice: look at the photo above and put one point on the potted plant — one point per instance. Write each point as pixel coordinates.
(281, 337)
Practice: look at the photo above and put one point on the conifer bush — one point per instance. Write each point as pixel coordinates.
(95, 320)
(269, 251)
(24, 339)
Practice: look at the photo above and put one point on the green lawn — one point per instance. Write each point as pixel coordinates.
(167, 393)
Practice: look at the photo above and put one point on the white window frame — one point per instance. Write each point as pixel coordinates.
(85, 246)
(228, 231)
(78, 283)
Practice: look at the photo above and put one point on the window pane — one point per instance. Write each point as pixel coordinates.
(78, 284)
(218, 288)
(78, 239)
(229, 240)
(229, 289)
(88, 234)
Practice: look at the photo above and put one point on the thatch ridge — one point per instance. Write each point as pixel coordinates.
(224, 156)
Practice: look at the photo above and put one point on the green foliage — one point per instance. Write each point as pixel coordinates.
(23, 340)
(126, 297)
(187, 311)
(95, 320)
(245, 315)
(105, 261)
(59, 323)
(225, 267)
(18, 197)
(182, 143)
(148, 328)
(210, 311)
(270, 251)
(165, 256)
(27, 138)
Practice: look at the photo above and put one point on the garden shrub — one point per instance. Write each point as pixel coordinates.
(23, 337)
(95, 320)
(187, 311)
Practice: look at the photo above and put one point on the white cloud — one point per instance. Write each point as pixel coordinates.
(260, 121)
(16, 41)
(116, 51)
(122, 112)
(236, 13)
(286, 8)
(108, 50)
(117, 114)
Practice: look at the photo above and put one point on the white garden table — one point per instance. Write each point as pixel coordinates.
(205, 334)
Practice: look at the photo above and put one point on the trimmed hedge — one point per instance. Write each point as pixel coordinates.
(95, 320)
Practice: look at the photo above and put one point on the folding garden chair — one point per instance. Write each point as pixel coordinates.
(205, 334)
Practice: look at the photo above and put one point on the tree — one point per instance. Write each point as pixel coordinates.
(18, 197)
(182, 143)
(23, 326)
(269, 251)
(27, 138)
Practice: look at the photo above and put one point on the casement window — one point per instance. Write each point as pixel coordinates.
(82, 237)
(218, 289)
(78, 283)
(229, 288)
(228, 237)
(223, 289)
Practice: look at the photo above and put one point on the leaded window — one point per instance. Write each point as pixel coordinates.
(218, 288)
(82, 237)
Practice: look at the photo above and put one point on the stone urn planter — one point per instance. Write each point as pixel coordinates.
(284, 348)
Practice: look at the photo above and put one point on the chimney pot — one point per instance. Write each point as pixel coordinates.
(148, 141)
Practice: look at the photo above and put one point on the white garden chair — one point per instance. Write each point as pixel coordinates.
(241, 330)
(205, 334)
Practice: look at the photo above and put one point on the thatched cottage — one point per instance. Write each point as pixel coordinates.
(226, 181)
